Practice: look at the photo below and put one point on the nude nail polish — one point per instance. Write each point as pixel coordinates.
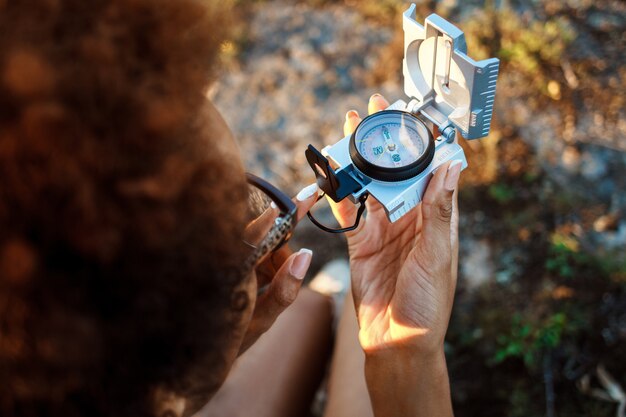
(300, 263)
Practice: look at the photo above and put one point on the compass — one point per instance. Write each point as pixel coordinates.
(392, 145)
(392, 154)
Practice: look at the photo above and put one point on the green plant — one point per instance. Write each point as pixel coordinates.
(567, 260)
(529, 338)
(501, 192)
(561, 256)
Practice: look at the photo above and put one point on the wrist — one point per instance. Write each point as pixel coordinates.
(405, 361)
(404, 382)
(403, 341)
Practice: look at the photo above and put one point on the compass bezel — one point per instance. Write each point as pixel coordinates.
(392, 174)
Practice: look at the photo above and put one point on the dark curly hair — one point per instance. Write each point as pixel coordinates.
(119, 222)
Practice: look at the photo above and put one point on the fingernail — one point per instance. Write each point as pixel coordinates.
(452, 177)
(273, 205)
(376, 103)
(351, 114)
(307, 192)
(300, 263)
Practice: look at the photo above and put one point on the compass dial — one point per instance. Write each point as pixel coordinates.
(391, 146)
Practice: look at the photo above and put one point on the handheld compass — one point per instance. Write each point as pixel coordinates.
(392, 146)
(392, 154)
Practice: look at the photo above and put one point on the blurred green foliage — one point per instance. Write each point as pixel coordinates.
(563, 256)
(529, 338)
(501, 192)
(566, 260)
(532, 49)
(554, 306)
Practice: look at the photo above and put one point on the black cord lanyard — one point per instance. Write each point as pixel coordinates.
(359, 213)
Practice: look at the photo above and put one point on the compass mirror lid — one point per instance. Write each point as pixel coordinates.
(449, 86)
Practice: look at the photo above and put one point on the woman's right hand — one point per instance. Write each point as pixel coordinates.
(403, 281)
(281, 272)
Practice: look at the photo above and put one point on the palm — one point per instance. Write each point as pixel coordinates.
(388, 272)
(380, 250)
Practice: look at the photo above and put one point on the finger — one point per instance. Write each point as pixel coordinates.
(376, 104)
(284, 288)
(344, 211)
(352, 121)
(454, 222)
(374, 208)
(437, 208)
(280, 256)
(305, 199)
(266, 269)
(454, 233)
(258, 228)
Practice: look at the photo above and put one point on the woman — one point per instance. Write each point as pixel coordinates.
(127, 282)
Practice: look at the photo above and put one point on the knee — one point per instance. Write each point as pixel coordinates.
(313, 304)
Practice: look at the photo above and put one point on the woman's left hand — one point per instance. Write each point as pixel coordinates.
(281, 273)
(404, 273)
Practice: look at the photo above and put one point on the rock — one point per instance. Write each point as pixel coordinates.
(606, 22)
(606, 222)
(571, 159)
(593, 165)
(613, 240)
(476, 263)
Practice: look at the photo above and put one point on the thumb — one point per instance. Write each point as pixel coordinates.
(344, 211)
(437, 207)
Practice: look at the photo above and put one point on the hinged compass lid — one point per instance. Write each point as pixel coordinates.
(448, 86)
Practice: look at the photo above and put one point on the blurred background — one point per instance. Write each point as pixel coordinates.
(540, 315)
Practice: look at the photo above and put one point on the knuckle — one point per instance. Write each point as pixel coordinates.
(283, 298)
(427, 207)
(429, 200)
(445, 210)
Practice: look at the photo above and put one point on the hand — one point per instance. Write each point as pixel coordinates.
(281, 274)
(404, 273)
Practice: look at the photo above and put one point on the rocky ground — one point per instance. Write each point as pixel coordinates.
(553, 168)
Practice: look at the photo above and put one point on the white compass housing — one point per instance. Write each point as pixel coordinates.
(444, 84)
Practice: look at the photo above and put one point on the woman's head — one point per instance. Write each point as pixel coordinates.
(121, 208)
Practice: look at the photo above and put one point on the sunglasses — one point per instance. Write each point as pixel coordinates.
(271, 219)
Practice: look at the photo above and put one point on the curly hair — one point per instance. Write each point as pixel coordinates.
(119, 222)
